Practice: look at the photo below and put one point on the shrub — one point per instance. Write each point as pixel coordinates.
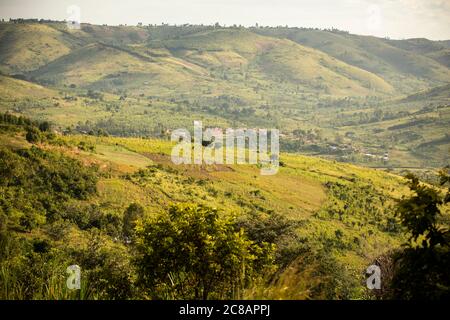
(33, 135)
(131, 215)
(192, 253)
(421, 270)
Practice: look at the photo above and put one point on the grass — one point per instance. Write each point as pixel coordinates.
(120, 155)
(30, 46)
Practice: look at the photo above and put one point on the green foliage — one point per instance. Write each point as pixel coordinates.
(359, 204)
(273, 229)
(36, 269)
(132, 214)
(36, 183)
(93, 216)
(86, 146)
(192, 253)
(312, 274)
(36, 132)
(419, 214)
(34, 135)
(45, 126)
(107, 268)
(421, 268)
(328, 278)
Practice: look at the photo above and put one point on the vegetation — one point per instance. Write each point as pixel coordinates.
(421, 269)
(193, 254)
(116, 219)
(357, 98)
(86, 176)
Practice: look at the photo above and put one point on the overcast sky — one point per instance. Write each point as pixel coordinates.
(396, 19)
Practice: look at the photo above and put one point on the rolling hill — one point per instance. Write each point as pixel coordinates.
(360, 94)
(407, 64)
(26, 47)
(100, 65)
(86, 118)
(300, 208)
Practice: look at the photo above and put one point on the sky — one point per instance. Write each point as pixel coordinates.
(397, 19)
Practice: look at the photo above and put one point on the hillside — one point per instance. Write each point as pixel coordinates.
(304, 215)
(333, 94)
(87, 178)
(12, 89)
(29, 46)
(406, 64)
(400, 63)
(133, 67)
(435, 94)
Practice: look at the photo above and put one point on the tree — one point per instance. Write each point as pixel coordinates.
(33, 135)
(44, 126)
(132, 214)
(421, 269)
(192, 253)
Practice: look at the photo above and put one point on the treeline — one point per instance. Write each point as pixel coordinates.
(31, 20)
(36, 131)
(7, 118)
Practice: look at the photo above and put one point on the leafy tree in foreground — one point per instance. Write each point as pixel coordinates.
(421, 270)
(192, 253)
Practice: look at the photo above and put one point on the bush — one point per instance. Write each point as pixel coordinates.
(36, 184)
(131, 215)
(33, 135)
(421, 270)
(192, 253)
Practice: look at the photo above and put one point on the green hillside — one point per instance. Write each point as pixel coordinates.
(196, 57)
(26, 47)
(86, 175)
(333, 94)
(301, 209)
(406, 64)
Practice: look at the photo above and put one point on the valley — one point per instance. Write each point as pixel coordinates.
(357, 99)
(87, 179)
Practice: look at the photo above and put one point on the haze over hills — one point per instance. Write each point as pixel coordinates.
(291, 78)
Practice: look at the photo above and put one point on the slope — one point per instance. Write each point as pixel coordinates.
(273, 59)
(26, 47)
(407, 70)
